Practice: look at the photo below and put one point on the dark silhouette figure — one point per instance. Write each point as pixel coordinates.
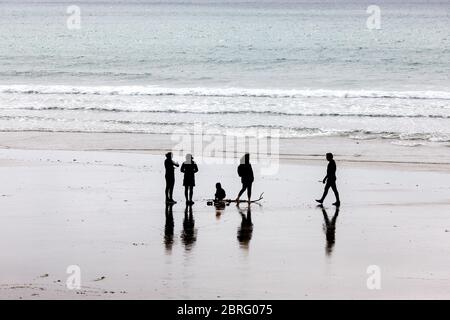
(168, 228)
(244, 234)
(245, 171)
(170, 165)
(329, 227)
(330, 180)
(189, 168)
(220, 193)
(219, 202)
(188, 236)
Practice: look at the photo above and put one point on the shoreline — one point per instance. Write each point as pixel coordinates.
(347, 151)
(93, 95)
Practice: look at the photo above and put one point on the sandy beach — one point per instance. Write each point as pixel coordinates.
(97, 201)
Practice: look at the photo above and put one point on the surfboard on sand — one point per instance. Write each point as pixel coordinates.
(212, 202)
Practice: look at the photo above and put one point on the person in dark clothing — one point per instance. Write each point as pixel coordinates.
(189, 168)
(330, 180)
(170, 165)
(220, 193)
(245, 171)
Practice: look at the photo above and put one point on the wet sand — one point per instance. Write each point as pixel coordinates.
(97, 201)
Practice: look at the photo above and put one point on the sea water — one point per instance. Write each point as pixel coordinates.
(286, 68)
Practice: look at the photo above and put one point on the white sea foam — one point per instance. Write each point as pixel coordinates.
(221, 92)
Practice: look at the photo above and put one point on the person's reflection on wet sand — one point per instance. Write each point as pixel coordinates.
(168, 227)
(220, 207)
(244, 234)
(329, 227)
(188, 236)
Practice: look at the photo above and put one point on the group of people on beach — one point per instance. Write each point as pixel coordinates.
(189, 168)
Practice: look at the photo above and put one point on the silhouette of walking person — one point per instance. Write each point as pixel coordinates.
(188, 235)
(245, 171)
(170, 165)
(330, 229)
(244, 234)
(330, 180)
(168, 227)
(189, 168)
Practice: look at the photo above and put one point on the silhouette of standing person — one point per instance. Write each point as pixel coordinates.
(330, 229)
(245, 231)
(330, 180)
(170, 165)
(189, 168)
(245, 171)
(168, 227)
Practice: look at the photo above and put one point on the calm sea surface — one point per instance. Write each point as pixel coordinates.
(290, 68)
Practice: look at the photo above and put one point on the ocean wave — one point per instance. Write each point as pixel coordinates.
(221, 92)
(35, 74)
(181, 127)
(231, 112)
(109, 121)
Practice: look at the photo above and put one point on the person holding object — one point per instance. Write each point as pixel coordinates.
(170, 165)
(245, 171)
